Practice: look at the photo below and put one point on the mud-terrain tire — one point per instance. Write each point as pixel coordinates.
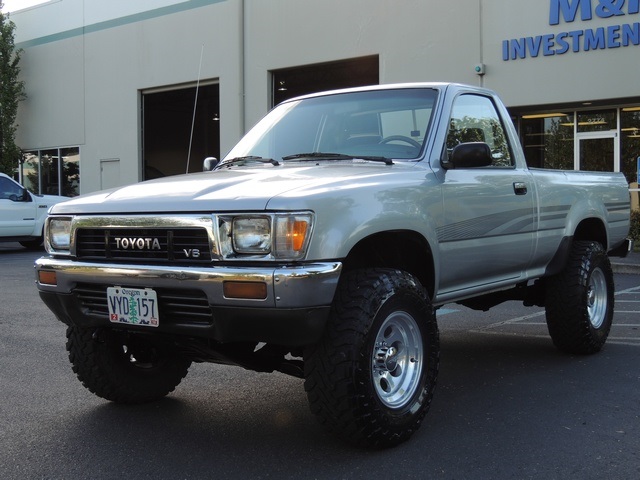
(371, 378)
(579, 300)
(124, 368)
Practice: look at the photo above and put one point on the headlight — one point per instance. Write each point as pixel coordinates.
(276, 236)
(251, 235)
(59, 233)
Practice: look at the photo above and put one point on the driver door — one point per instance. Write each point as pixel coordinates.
(487, 235)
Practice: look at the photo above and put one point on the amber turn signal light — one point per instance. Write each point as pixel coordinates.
(246, 290)
(47, 277)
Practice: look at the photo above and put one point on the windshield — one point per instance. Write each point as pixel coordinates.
(382, 123)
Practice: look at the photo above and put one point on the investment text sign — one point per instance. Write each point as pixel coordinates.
(565, 12)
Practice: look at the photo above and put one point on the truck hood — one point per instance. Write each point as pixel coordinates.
(230, 189)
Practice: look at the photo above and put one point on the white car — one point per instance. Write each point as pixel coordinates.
(22, 213)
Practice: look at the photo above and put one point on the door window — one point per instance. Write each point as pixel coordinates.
(474, 118)
(10, 190)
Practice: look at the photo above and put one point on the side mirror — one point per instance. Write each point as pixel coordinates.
(470, 155)
(209, 164)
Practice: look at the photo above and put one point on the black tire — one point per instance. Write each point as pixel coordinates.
(124, 368)
(371, 378)
(36, 244)
(579, 300)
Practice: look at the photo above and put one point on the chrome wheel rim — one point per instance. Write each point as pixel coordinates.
(397, 360)
(597, 298)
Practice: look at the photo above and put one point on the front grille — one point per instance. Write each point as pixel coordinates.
(173, 245)
(174, 306)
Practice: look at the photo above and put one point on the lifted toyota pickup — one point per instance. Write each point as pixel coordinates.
(322, 245)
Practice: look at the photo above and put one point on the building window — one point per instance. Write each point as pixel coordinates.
(70, 181)
(630, 143)
(548, 140)
(54, 171)
(49, 172)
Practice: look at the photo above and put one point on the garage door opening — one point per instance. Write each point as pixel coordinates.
(356, 72)
(167, 117)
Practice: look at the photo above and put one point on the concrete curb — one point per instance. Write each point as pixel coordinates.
(626, 268)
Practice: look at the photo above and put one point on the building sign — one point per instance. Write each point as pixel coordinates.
(564, 13)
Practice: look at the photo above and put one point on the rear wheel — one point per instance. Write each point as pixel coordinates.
(372, 377)
(124, 368)
(579, 302)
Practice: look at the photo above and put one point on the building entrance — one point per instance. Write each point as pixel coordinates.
(295, 81)
(180, 127)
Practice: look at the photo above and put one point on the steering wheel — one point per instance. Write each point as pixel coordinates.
(401, 138)
(13, 197)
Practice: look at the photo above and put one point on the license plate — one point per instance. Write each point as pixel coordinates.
(133, 306)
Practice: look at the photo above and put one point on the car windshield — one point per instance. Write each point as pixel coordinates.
(385, 124)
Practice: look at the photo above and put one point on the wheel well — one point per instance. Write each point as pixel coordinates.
(591, 229)
(588, 229)
(401, 249)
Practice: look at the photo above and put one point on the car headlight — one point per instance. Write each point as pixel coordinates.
(59, 233)
(251, 235)
(281, 236)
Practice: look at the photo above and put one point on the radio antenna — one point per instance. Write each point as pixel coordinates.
(195, 104)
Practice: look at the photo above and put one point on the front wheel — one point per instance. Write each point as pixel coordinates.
(579, 302)
(122, 367)
(371, 378)
(33, 244)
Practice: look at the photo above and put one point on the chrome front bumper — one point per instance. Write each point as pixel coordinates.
(294, 312)
(303, 286)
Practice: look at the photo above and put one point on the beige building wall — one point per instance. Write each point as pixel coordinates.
(87, 62)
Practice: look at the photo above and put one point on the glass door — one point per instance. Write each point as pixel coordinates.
(597, 146)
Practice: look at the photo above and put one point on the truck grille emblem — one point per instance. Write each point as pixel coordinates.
(123, 243)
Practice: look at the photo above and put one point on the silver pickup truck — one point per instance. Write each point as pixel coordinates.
(322, 245)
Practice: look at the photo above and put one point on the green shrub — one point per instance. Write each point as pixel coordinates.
(634, 230)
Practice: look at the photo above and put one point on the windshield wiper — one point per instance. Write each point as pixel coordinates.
(336, 156)
(249, 158)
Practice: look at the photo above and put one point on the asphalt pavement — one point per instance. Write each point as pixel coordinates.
(508, 406)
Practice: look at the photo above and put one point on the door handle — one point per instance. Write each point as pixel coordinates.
(520, 188)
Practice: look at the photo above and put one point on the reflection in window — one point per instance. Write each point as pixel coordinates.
(597, 121)
(596, 154)
(630, 142)
(70, 171)
(54, 171)
(548, 140)
(31, 172)
(49, 168)
(475, 119)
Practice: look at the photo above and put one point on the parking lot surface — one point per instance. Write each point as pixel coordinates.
(508, 406)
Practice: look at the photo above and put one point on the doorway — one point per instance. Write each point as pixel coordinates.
(295, 81)
(169, 144)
